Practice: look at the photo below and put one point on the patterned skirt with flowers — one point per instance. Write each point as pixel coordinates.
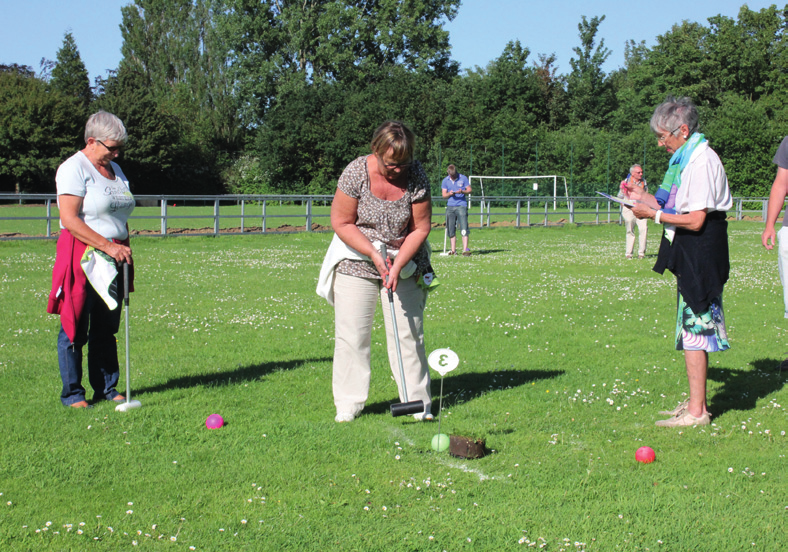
(701, 332)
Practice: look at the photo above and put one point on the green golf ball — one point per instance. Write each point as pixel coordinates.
(440, 442)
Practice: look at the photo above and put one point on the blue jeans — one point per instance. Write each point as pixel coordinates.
(454, 215)
(97, 327)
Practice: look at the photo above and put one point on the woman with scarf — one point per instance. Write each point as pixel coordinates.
(691, 205)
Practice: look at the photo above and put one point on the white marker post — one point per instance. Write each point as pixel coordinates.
(442, 361)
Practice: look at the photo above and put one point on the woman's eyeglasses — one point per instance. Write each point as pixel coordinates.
(661, 139)
(391, 166)
(112, 149)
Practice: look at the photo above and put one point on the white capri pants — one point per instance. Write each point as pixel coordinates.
(355, 300)
(782, 263)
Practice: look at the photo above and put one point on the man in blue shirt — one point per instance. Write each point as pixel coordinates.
(455, 187)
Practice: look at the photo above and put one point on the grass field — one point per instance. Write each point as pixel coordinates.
(566, 355)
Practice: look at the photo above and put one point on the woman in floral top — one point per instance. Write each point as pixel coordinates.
(381, 198)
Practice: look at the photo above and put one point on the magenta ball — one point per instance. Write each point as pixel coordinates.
(214, 421)
(645, 455)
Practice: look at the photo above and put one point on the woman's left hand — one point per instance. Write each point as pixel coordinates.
(642, 211)
(393, 278)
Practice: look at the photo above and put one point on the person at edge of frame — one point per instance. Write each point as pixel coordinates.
(776, 201)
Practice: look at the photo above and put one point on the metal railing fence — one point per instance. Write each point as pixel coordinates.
(250, 214)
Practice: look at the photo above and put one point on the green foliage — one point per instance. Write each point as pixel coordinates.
(312, 132)
(180, 52)
(214, 89)
(743, 136)
(38, 130)
(246, 176)
(153, 145)
(281, 45)
(69, 76)
(589, 92)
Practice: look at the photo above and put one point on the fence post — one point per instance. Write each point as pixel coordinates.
(488, 213)
(546, 210)
(243, 204)
(519, 204)
(597, 212)
(49, 218)
(265, 202)
(608, 212)
(216, 217)
(308, 215)
(528, 214)
(571, 211)
(764, 208)
(164, 217)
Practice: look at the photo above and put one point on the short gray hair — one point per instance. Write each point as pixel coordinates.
(636, 165)
(105, 126)
(674, 112)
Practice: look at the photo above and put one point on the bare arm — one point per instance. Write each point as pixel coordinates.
(418, 231)
(69, 215)
(344, 213)
(691, 221)
(776, 200)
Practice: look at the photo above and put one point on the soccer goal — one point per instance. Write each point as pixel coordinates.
(518, 186)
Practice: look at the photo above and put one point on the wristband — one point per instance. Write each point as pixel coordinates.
(658, 216)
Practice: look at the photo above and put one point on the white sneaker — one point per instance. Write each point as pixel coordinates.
(685, 419)
(423, 417)
(676, 411)
(344, 417)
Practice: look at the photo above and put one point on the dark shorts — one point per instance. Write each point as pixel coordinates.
(457, 215)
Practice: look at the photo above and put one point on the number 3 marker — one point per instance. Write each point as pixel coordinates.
(443, 361)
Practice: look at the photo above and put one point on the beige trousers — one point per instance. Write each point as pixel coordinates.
(630, 220)
(355, 300)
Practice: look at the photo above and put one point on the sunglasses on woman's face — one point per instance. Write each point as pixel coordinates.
(111, 149)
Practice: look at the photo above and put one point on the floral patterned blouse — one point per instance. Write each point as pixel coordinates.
(382, 220)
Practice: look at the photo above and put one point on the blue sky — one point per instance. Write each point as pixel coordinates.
(34, 29)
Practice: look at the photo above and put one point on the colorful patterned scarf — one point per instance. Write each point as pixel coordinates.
(666, 195)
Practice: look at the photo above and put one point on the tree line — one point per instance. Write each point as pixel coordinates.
(277, 96)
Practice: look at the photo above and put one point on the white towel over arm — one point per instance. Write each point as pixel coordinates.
(339, 251)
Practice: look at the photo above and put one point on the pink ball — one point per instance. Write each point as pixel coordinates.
(645, 455)
(214, 421)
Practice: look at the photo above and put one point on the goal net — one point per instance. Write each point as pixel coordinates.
(489, 188)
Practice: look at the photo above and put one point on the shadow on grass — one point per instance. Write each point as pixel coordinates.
(476, 252)
(742, 389)
(244, 373)
(462, 388)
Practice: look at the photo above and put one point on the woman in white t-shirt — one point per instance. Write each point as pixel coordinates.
(691, 202)
(94, 202)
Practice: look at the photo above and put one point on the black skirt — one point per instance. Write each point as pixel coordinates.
(699, 260)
